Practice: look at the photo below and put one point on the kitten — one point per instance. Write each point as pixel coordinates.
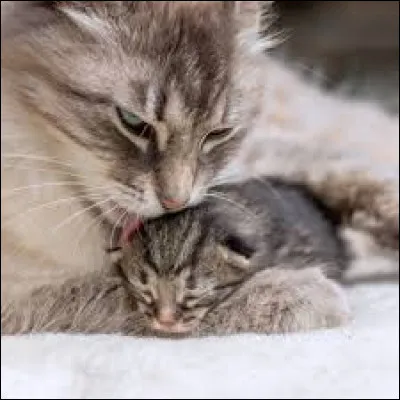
(256, 257)
(263, 245)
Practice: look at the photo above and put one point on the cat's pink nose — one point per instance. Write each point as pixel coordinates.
(173, 204)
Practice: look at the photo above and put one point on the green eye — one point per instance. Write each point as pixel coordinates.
(128, 118)
(134, 124)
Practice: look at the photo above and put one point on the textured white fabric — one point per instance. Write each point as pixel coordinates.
(359, 361)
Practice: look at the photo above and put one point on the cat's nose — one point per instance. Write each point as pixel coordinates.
(173, 204)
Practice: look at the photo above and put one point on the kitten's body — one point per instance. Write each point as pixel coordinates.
(255, 257)
(302, 133)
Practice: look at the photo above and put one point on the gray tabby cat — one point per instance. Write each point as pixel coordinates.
(106, 103)
(255, 257)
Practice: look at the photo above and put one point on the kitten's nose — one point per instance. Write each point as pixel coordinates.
(173, 204)
(166, 317)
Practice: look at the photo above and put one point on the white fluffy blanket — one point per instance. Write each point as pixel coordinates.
(359, 361)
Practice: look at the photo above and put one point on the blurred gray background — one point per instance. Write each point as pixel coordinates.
(352, 46)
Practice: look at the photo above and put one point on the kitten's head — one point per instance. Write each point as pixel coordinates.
(182, 266)
(148, 101)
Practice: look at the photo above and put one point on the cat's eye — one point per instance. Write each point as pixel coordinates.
(215, 138)
(189, 318)
(238, 246)
(134, 124)
(128, 118)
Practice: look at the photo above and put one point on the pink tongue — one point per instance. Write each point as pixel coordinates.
(132, 224)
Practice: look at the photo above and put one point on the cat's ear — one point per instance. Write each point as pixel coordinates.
(254, 20)
(248, 14)
(88, 15)
(22, 16)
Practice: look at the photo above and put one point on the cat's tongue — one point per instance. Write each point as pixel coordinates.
(131, 225)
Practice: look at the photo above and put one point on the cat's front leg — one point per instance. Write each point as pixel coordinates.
(89, 304)
(278, 301)
(362, 202)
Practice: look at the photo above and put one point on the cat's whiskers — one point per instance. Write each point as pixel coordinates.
(97, 220)
(223, 180)
(227, 175)
(21, 250)
(282, 200)
(115, 225)
(7, 193)
(50, 160)
(77, 214)
(241, 207)
(52, 203)
(38, 170)
(53, 163)
(126, 190)
(216, 182)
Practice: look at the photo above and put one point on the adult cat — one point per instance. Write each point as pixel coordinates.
(111, 112)
(117, 110)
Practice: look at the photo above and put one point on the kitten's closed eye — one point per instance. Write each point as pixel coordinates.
(140, 131)
(143, 278)
(146, 297)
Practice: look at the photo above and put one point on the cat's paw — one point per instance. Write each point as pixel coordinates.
(279, 301)
(362, 202)
(293, 301)
(310, 304)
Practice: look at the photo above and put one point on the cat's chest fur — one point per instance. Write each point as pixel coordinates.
(46, 233)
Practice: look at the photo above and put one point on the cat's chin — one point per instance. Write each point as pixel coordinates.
(126, 221)
(122, 222)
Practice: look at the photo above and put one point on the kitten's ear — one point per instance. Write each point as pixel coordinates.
(238, 260)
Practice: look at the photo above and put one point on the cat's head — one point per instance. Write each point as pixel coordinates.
(146, 101)
(181, 266)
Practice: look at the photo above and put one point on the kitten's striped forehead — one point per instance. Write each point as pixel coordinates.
(175, 244)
